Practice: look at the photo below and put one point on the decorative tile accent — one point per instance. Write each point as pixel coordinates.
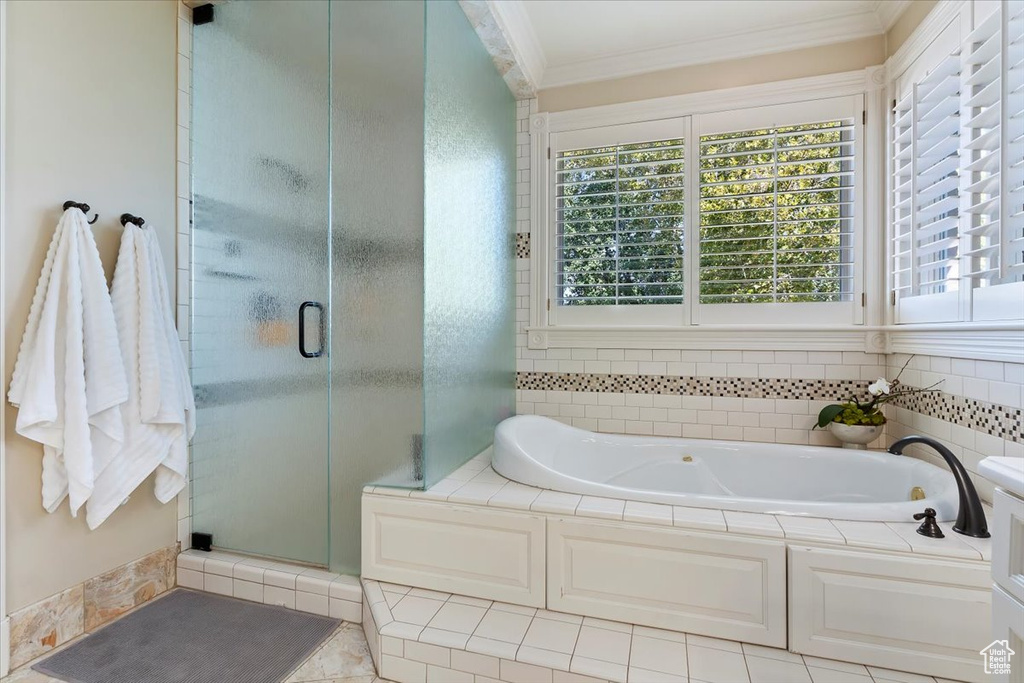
(1000, 421)
(522, 245)
(736, 387)
(41, 627)
(981, 416)
(112, 594)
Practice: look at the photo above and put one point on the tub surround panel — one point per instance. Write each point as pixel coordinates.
(421, 544)
(425, 635)
(49, 623)
(828, 591)
(658, 578)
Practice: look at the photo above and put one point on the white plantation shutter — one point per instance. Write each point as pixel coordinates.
(902, 151)
(618, 212)
(620, 224)
(981, 96)
(925, 238)
(1012, 264)
(776, 214)
(957, 185)
(993, 206)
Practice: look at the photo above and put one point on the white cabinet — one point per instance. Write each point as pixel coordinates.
(1008, 575)
(685, 581)
(1008, 543)
(890, 611)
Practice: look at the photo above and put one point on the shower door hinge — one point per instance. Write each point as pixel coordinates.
(863, 299)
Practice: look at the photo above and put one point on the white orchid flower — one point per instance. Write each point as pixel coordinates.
(880, 387)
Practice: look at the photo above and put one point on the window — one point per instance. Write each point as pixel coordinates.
(776, 214)
(957, 194)
(618, 243)
(620, 224)
(779, 214)
(926, 171)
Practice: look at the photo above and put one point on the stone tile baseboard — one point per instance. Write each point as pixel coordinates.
(53, 621)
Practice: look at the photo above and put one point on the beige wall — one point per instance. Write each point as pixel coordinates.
(91, 116)
(905, 25)
(813, 61)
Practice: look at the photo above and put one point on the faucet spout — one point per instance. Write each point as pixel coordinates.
(970, 520)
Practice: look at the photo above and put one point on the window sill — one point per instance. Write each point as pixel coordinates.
(982, 341)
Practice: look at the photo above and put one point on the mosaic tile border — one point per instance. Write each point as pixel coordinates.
(522, 245)
(980, 416)
(997, 420)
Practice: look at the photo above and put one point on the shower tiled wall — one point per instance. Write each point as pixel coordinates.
(771, 396)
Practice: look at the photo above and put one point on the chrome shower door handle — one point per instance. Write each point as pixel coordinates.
(302, 329)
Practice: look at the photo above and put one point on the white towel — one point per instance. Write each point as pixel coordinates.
(159, 416)
(69, 380)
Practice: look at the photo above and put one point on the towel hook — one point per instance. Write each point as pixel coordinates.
(83, 207)
(129, 218)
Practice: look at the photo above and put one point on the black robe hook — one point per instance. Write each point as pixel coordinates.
(129, 218)
(84, 208)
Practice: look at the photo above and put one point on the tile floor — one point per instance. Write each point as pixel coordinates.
(343, 658)
(441, 638)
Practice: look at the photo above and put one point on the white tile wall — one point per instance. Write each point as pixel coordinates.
(1001, 383)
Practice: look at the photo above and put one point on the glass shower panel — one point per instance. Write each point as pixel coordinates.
(260, 247)
(469, 239)
(377, 247)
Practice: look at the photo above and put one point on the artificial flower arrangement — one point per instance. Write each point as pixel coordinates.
(869, 413)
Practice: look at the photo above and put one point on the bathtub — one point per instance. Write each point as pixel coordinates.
(780, 479)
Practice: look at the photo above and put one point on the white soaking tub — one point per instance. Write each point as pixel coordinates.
(781, 479)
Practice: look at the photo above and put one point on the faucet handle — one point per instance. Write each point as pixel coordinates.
(929, 527)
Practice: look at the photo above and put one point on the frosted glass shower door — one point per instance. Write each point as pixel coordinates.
(261, 278)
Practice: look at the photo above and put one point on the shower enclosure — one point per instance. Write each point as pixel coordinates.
(352, 293)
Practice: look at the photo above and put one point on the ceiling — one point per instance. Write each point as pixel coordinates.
(560, 42)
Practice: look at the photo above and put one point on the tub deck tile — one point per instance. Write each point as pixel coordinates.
(871, 535)
(753, 523)
(810, 529)
(950, 546)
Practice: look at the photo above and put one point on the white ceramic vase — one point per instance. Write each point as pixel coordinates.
(855, 436)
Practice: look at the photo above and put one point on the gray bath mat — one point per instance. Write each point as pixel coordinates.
(193, 637)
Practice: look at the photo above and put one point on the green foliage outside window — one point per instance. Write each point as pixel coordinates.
(776, 219)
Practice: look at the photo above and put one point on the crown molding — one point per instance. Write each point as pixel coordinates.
(514, 23)
(718, 48)
(931, 26)
(888, 11)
